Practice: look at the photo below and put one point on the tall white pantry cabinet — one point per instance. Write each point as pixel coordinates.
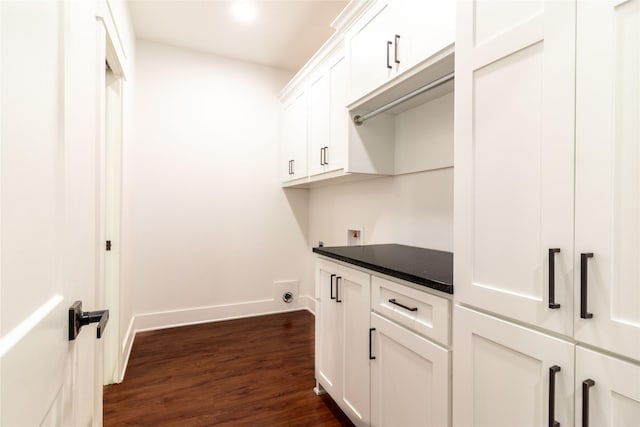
(547, 214)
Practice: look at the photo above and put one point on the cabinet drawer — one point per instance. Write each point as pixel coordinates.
(419, 311)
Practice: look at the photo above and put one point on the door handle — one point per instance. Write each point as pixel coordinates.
(552, 396)
(395, 49)
(337, 288)
(371, 356)
(79, 318)
(393, 301)
(388, 48)
(552, 278)
(331, 286)
(586, 385)
(584, 274)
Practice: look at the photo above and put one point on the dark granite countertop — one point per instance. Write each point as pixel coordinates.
(427, 267)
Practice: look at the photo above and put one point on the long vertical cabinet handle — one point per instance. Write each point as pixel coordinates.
(552, 278)
(388, 49)
(395, 49)
(331, 286)
(326, 157)
(371, 356)
(337, 289)
(586, 385)
(584, 261)
(293, 167)
(552, 396)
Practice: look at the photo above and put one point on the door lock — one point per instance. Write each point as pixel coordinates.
(79, 318)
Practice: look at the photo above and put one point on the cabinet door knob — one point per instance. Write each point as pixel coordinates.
(552, 278)
(388, 48)
(552, 396)
(586, 385)
(584, 261)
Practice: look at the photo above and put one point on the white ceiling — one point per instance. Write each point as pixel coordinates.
(284, 35)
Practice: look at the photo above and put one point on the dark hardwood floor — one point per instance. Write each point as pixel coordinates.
(246, 372)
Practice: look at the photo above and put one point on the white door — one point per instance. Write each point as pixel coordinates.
(505, 374)
(353, 296)
(514, 148)
(328, 331)
(48, 212)
(409, 378)
(608, 175)
(607, 391)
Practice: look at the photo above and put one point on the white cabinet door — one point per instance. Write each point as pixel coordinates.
(339, 116)
(608, 174)
(342, 337)
(514, 157)
(294, 156)
(286, 148)
(409, 378)
(353, 295)
(502, 373)
(424, 28)
(319, 122)
(607, 391)
(328, 117)
(328, 329)
(371, 52)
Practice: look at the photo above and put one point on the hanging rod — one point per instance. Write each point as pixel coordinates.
(358, 120)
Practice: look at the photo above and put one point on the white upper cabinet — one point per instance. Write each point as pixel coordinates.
(608, 176)
(328, 117)
(514, 157)
(394, 36)
(294, 129)
(371, 52)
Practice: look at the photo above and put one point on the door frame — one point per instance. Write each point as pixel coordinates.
(110, 135)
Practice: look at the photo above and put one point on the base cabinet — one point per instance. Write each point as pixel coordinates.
(342, 337)
(409, 378)
(507, 375)
(375, 360)
(607, 390)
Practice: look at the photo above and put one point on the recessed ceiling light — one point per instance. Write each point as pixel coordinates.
(244, 11)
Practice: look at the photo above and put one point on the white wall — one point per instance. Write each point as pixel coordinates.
(414, 209)
(207, 227)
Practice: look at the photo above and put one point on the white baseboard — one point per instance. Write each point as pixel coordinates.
(127, 345)
(193, 316)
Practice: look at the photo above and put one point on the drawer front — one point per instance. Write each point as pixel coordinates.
(421, 312)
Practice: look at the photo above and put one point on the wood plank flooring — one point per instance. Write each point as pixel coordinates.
(246, 372)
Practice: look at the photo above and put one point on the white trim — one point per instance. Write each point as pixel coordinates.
(127, 345)
(193, 316)
(216, 313)
(342, 24)
(115, 53)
